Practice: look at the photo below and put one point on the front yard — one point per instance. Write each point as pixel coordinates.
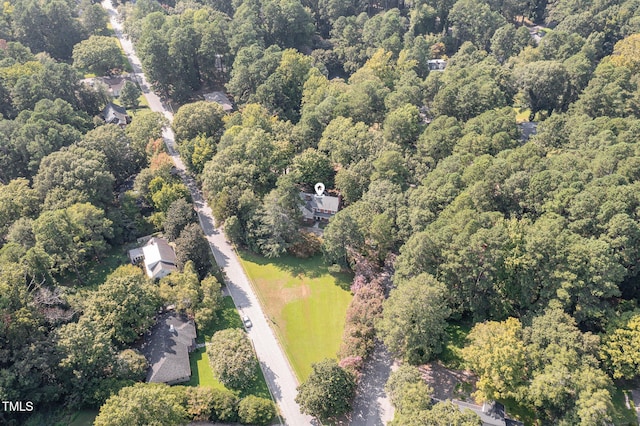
(201, 372)
(306, 304)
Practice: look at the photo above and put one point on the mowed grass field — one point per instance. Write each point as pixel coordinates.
(306, 304)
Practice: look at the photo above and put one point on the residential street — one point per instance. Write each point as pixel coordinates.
(280, 378)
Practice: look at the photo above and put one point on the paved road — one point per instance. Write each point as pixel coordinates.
(372, 406)
(280, 378)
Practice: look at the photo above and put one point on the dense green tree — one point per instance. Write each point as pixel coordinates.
(124, 306)
(198, 118)
(179, 214)
(474, 21)
(403, 126)
(390, 165)
(37, 25)
(327, 392)
(92, 17)
(232, 358)
(143, 403)
(497, 354)
(130, 95)
(256, 410)
(252, 66)
(121, 159)
(281, 93)
(414, 319)
(342, 237)
(98, 54)
(75, 169)
(545, 85)
(70, 236)
(88, 357)
(472, 84)
(311, 167)
(621, 350)
(444, 413)
(192, 245)
(17, 200)
(181, 289)
(145, 127)
(399, 380)
(286, 23)
(277, 222)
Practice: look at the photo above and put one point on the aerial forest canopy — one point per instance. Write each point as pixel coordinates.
(480, 220)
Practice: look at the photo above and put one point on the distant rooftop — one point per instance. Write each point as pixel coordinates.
(221, 99)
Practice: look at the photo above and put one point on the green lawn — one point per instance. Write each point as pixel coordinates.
(305, 303)
(201, 372)
(456, 339)
(228, 317)
(95, 273)
(84, 418)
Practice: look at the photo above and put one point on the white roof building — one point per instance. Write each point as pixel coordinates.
(158, 257)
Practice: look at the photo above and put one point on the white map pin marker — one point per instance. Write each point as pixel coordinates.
(319, 189)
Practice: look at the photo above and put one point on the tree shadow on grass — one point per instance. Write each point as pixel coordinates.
(312, 268)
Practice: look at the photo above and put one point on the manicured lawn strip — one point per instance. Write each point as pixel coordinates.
(305, 303)
(201, 373)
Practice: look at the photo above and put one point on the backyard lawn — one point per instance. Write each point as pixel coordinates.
(305, 302)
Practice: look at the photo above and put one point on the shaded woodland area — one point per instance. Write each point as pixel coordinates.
(533, 243)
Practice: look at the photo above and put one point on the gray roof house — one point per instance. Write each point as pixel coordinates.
(159, 258)
(221, 99)
(167, 346)
(491, 413)
(115, 114)
(318, 208)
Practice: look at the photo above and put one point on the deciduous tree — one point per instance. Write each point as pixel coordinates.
(232, 358)
(327, 392)
(414, 319)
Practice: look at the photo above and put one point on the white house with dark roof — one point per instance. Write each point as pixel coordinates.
(115, 114)
(158, 257)
(318, 208)
(167, 347)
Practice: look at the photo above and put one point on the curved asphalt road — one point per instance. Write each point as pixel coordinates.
(280, 378)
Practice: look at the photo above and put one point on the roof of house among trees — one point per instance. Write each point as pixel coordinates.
(167, 348)
(159, 258)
